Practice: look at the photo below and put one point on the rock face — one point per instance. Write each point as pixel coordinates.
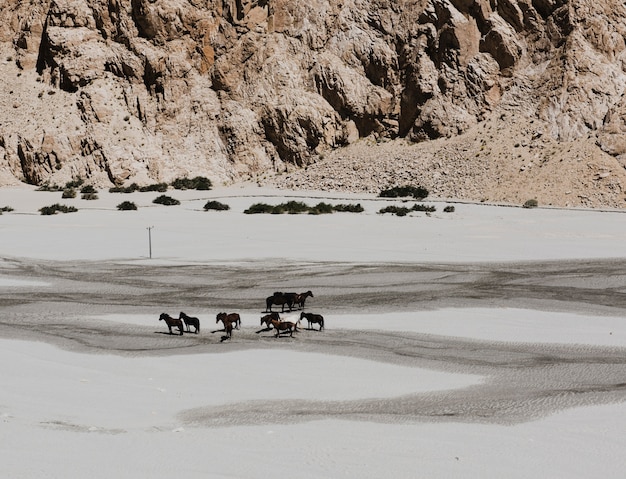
(116, 91)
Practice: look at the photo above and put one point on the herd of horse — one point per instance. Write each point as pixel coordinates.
(232, 321)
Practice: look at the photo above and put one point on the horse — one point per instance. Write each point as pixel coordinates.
(301, 298)
(283, 326)
(230, 318)
(268, 317)
(176, 322)
(280, 298)
(312, 319)
(228, 327)
(190, 321)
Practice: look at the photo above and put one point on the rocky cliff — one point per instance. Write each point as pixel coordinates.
(474, 98)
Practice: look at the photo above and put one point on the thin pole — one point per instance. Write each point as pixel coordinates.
(149, 228)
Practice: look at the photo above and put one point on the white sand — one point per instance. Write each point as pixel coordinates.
(70, 415)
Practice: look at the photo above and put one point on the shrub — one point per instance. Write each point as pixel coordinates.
(126, 206)
(196, 183)
(297, 207)
(69, 193)
(448, 209)
(424, 208)
(417, 192)
(396, 210)
(89, 196)
(166, 200)
(6, 209)
(53, 209)
(87, 189)
(349, 208)
(530, 204)
(258, 208)
(124, 189)
(321, 209)
(49, 187)
(292, 208)
(215, 205)
(76, 183)
(158, 187)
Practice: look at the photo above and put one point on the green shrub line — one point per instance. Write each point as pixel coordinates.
(298, 207)
(53, 209)
(403, 210)
(196, 183)
(417, 192)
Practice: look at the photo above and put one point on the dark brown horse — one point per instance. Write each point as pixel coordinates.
(229, 318)
(281, 299)
(301, 298)
(268, 318)
(313, 319)
(283, 327)
(190, 321)
(172, 322)
(228, 327)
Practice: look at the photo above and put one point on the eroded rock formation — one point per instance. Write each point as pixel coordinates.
(148, 90)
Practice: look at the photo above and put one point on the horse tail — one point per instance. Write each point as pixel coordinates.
(321, 322)
(268, 304)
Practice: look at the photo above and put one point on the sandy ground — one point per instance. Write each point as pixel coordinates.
(512, 365)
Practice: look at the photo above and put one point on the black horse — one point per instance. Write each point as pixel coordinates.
(282, 299)
(190, 321)
(313, 319)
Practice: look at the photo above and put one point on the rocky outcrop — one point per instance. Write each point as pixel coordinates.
(149, 90)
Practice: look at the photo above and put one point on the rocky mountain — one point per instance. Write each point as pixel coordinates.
(492, 100)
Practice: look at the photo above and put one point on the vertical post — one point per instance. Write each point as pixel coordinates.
(149, 228)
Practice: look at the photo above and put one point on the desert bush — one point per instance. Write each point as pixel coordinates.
(530, 204)
(396, 210)
(125, 189)
(215, 205)
(448, 209)
(297, 207)
(424, 208)
(321, 209)
(75, 183)
(292, 208)
(49, 187)
(341, 208)
(89, 196)
(259, 208)
(53, 209)
(69, 193)
(126, 206)
(166, 200)
(158, 187)
(417, 192)
(87, 189)
(196, 183)
(6, 209)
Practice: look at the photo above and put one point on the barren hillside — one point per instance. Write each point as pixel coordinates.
(481, 100)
